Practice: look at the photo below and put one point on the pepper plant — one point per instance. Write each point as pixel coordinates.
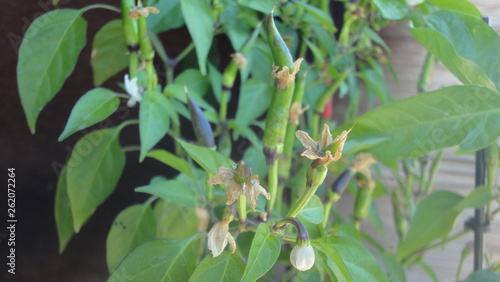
(256, 179)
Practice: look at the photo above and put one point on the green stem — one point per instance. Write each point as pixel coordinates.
(223, 105)
(185, 52)
(302, 201)
(242, 210)
(133, 63)
(433, 172)
(127, 149)
(102, 6)
(410, 258)
(426, 73)
(272, 176)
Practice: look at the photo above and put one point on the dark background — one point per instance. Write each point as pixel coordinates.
(35, 156)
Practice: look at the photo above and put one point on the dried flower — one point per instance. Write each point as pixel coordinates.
(314, 150)
(132, 90)
(236, 186)
(142, 12)
(285, 78)
(302, 257)
(295, 111)
(218, 237)
(239, 59)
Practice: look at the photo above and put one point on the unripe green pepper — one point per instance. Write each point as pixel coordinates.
(130, 28)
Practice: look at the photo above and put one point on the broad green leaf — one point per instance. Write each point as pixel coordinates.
(484, 275)
(199, 21)
(463, 6)
(173, 191)
(170, 16)
(253, 101)
(323, 17)
(351, 254)
(465, 44)
(159, 260)
(169, 216)
(215, 80)
(109, 52)
(208, 159)
(435, 217)
(62, 212)
(226, 267)
(171, 160)
(263, 6)
(313, 211)
(196, 82)
(477, 198)
(93, 107)
(47, 56)
(392, 9)
(93, 171)
(468, 116)
(154, 120)
(394, 269)
(133, 226)
(263, 254)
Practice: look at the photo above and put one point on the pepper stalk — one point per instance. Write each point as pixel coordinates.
(277, 116)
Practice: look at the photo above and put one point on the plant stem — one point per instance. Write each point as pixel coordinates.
(272, 176)
(242, 211)
(102, 6)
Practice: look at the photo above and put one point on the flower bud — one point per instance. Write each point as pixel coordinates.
(302, 257)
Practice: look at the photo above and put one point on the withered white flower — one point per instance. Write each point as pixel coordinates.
(314, 150)
(251, 189)
(284, 77)
(132, 90)
(239, 59)
(302, 257)
(295, 111)
(142, 12)
(218, 237)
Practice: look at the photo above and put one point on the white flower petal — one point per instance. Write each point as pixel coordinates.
(303, 257)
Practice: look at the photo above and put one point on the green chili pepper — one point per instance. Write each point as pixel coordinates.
(147, 53)
(129, 25)
(201, 126)
(278, 113)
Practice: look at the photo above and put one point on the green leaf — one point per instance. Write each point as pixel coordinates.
(159, 260)
(62, 212)
(465, 44)
(154, 120)
(109, 52)
(313, 211)
(394, 269)
(173, 191)
(169, 216)
(263, 254)
(133, 226)
(263, 6)
(458, 115)
(47, 56)
(93, 171)
(208, 159)
(392, 9)
(93, 107)
(171, 160)
(198, 17)
(463, 6)
(226, 267)
(349, 254)
(253, 101)
(484, 275)
(170, 16)
(323, 17)
(435, 217)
